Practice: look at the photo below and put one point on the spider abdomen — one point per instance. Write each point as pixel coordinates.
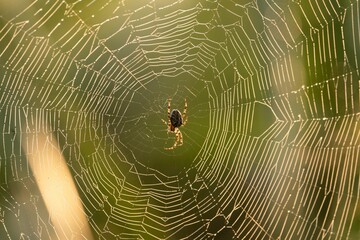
(176, 118)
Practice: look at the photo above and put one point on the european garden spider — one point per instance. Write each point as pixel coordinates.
(175, 120)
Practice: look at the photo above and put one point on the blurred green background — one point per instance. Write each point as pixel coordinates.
(271, 147)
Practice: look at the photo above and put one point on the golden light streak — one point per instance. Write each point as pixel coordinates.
(57, 187)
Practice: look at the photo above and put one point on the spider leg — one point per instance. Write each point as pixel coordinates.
(166, 123)
(178, 140)
(169, 108)
(185, 117)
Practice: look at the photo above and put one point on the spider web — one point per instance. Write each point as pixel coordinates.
(271, 148)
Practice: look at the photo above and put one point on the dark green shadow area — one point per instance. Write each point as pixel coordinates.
(145, 136)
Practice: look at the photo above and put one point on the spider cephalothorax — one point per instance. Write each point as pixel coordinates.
(175, 120)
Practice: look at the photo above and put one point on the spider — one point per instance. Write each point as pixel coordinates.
(175, 120)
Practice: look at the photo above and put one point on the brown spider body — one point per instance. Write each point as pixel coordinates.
(176, 120)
